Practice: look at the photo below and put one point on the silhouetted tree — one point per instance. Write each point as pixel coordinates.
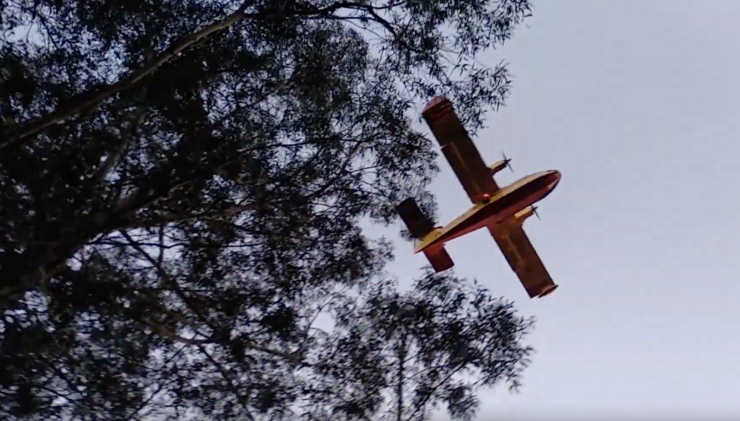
(181, 184)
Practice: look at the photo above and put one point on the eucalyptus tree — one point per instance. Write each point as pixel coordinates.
(181, 187)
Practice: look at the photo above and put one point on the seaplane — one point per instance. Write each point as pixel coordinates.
(502, 210)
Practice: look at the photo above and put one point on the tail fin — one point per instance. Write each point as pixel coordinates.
(420, 226)
(416, 222)
(439, 258)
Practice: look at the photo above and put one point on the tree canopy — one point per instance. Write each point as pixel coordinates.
(181, 190)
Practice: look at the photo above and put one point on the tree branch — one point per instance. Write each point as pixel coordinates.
(169, 334)
(169, 218)
(92, 97)
(178, 291)
(116, 154)
(230, 380)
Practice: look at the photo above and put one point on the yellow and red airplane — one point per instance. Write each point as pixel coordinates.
(502, 210)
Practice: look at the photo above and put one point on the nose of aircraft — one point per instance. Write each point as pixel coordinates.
(553, 178)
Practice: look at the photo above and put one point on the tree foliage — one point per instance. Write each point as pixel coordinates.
(181, 186)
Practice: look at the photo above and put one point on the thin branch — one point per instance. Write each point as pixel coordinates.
(119, 151)
(169, 334)
(170, 218)
(180, 293)
(156, 392)
(401, 376)
(421, 406)
(90, 98)
(229, 377)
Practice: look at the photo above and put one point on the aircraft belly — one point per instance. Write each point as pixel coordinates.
(493, 207)
(484, 216)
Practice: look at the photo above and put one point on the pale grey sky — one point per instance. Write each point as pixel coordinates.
(635, 102)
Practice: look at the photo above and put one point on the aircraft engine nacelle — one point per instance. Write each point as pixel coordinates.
(498, 166)
(525, 213)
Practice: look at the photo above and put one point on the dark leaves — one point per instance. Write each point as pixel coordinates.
(191, 241)
(456, 339)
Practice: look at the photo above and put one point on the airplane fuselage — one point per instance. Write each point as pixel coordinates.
(495, 209)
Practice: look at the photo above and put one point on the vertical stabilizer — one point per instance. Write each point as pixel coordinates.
(420, 226)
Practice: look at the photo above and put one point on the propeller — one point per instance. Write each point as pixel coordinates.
(534, 211)
(507, 161)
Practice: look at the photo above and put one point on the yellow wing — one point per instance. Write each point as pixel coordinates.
(459, 149)
(523, 259)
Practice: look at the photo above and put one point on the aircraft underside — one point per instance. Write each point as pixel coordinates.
(501, 210)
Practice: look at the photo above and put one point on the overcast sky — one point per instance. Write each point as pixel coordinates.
(635, 102)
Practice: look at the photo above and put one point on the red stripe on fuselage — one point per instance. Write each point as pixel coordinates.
(500, 209)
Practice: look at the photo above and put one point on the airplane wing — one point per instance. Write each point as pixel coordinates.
(523, 259)
(459, 149)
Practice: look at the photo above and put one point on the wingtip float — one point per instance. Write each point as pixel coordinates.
(502, 210)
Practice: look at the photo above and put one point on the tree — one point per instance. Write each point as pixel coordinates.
(181, 186)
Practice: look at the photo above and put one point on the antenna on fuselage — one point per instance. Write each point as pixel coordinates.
(534, 211)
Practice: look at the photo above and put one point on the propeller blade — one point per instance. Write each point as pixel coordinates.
(534, 211)
(507, 162)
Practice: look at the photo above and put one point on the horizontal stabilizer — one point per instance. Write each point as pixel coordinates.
(417, 224)
(439, 258)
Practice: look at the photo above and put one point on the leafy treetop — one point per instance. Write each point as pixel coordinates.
(181, 184)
